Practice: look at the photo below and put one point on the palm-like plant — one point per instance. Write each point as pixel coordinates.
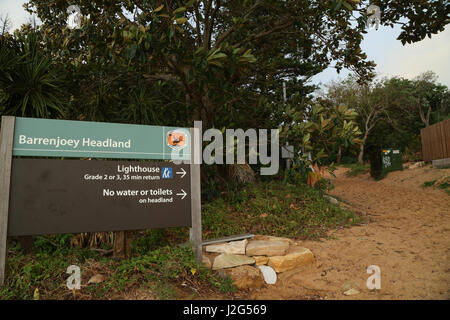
(29, 82)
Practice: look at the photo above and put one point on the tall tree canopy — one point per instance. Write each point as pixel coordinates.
(216, 60)
(391, 111)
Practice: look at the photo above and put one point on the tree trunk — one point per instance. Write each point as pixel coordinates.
(122, 244)
(241, 173)
(361, 148)
(339, 155)
(361, 154)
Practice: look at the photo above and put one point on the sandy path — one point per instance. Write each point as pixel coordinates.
(408, 237)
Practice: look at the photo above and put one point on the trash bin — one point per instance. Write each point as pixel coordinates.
(391, 160)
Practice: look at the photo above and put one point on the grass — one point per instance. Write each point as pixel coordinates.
(356, 169)
(442, 184)
(429, 183)
(159, 272)
(160, 267)
(44, 270)
(275, 209)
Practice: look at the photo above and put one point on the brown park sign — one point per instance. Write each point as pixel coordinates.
(51, 196)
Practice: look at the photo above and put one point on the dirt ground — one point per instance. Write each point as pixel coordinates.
(407, 235)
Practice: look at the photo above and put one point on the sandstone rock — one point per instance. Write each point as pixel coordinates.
(331, 199)
(246, 277)
(228, 260)
(270, 276)
(272, 238)
(267, 248)
(235, 247)
(351, 292)
(296, 257)
(417, 165)
(96, 278)
(207, 262)
(260, 260)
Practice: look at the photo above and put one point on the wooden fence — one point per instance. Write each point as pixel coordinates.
(436, 141)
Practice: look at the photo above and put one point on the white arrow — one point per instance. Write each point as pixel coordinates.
(182, 194)
(182, 172)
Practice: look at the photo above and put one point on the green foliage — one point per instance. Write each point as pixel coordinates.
(172, 63)
(156, 266)
(30, 83)
(429, 183)
(215, 184)
(410, 106)
(442, 184)
(53, 243)
(392, 111)
(326, 129)
(276, 209)
(324, 184)
(26, 274)
(356, 169)
(298, 175)
(164, 264)
(45, 270)
(223, 62)
(149, 241)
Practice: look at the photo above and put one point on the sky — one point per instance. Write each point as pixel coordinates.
(394, 59)
(381, 46)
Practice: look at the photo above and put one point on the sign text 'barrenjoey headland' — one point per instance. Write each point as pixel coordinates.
(76, 139)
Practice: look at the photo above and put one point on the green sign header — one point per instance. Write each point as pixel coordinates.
(80, 139)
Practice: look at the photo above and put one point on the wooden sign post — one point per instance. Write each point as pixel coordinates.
(51, 196)
(6, 146)
(196, 203)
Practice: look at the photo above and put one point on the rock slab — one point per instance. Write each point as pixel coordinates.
(267, 248)
(228, 260)
(331, 199)
(261, 260)
(270, 276)
(351, 292)
(272, 238)
(417, 165)
(296, 257)
(246, 277)
(207, 262)
(234, 247)
(96, 278)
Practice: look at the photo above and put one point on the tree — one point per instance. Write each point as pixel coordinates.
(403, 106)
(402, 119)
(326, 129)
(366, 99)
(424, 88)
(221, 56)
(29, 82)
